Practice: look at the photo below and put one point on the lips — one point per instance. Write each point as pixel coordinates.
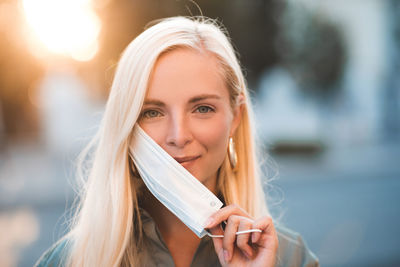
(186, 159)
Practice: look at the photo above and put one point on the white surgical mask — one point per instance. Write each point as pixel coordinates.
(175, 187)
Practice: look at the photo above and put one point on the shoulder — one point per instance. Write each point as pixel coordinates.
(292, 250)
(55, 256)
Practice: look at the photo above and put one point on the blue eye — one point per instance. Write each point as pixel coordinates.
(151, 114)
(204, 109)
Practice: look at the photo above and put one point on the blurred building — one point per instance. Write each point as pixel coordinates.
(334, 88)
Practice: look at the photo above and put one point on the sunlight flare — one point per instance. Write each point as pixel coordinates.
(68, 27)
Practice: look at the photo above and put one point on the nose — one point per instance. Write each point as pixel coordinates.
(179, 134)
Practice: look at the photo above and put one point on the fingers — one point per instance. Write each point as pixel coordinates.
(247, 246)
(268, 238)
(218, 242)
(223, 214)
(243, 240)
(237, 220)
(231, 242)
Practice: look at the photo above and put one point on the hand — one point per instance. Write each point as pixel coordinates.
(250, 249)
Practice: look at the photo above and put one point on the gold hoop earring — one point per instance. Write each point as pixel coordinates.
(232, 154)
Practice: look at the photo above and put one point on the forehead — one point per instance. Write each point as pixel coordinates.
(183, 73)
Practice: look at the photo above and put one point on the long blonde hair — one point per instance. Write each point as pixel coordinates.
(107, 230)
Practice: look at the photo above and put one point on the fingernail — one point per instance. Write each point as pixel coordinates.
(247, 254)
(226, 255)
(209, 222)
(254, 237)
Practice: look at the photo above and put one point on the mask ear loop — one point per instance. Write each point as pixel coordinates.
(237, 233)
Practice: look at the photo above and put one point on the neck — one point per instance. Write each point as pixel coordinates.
(180, 240)
(166, 221)
(169, 225)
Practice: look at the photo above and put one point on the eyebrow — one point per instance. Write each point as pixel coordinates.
(154, 102)
(203, 97)
(192, 100)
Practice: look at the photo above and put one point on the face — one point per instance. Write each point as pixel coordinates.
(188, 113)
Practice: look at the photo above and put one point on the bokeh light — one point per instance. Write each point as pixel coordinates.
(66, 27)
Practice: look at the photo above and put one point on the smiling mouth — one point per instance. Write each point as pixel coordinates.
(186, 159)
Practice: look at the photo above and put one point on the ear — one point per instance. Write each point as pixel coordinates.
(237, 114)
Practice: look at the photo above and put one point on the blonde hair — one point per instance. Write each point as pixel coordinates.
(107, 230)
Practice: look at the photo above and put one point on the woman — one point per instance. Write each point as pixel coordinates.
(181, 83)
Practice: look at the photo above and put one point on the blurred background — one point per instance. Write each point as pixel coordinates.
(325, 81)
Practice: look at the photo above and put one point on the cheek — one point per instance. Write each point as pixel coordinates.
(214, 134)
(154, 130)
